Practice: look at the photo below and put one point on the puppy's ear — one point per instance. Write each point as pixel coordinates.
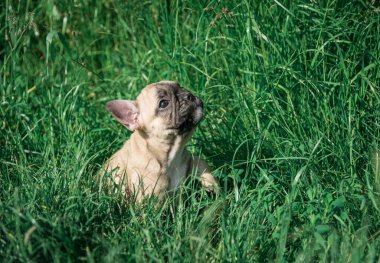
(125, 111)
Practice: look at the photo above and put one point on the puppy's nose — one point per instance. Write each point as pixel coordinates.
(190, 97)
(199, 102)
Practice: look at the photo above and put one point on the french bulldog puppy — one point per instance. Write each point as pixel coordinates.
(154, 160)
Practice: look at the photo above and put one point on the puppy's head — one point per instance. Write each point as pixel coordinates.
(162, 109)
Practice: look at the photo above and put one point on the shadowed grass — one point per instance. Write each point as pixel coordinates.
(292, 99)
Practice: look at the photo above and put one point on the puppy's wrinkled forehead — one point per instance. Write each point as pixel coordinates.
(166, 88)
(161, 89)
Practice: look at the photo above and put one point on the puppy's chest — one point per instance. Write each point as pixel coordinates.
(178, 168)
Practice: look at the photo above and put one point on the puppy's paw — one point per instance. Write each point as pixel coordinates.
(209, 182)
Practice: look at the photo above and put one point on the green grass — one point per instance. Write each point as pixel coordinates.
(292, 95)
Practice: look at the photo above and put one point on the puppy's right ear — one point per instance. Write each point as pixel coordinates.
(125, 111)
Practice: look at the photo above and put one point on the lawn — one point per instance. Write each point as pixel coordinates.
(291, 92)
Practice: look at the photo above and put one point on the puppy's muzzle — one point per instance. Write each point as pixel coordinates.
(191, 98)
(199, 102)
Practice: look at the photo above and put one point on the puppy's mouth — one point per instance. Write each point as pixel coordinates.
(193, 118)
(186, 126)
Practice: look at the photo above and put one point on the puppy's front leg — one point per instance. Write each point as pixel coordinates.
(208, 180)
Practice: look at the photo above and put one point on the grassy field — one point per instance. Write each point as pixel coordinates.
(292, 95)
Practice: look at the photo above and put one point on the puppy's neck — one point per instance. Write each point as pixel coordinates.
(163, 149)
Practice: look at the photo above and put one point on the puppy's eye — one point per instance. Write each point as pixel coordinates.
(163, 104)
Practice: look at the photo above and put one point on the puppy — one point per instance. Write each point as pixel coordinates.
(154, 160)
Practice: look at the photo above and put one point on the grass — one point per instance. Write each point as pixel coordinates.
(292, 97)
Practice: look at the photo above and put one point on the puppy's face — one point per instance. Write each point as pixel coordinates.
(162, 109)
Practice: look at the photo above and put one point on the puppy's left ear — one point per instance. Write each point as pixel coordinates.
(125, 111)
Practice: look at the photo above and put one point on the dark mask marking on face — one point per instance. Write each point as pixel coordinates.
(184, 110)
